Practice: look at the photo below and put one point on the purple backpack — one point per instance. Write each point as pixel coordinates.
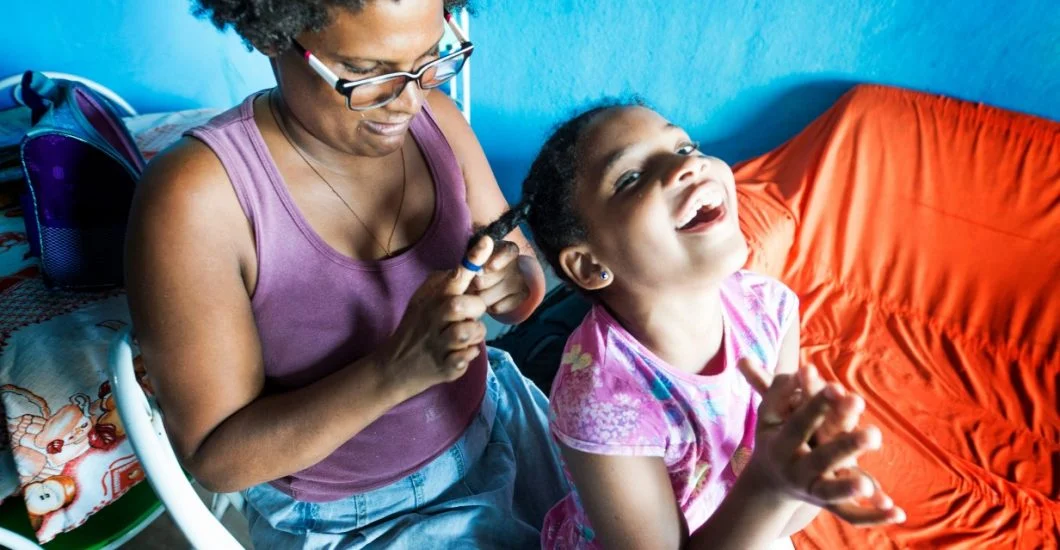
(81, 167)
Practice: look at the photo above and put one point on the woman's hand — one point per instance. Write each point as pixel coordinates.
(502, 284)
(789, 418)
(440, 333)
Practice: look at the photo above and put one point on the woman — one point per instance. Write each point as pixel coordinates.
(291, 278)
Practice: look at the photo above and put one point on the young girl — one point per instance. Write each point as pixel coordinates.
(656, 426)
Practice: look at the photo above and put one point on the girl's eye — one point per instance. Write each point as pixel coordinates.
(626, 179)
(688, 148)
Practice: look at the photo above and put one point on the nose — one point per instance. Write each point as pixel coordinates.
(409, 101)
(686, 169)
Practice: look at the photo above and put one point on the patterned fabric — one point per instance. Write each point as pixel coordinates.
(613, 396)
(64, 446)
(68, 442)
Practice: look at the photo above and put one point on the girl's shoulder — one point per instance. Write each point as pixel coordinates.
(602, 400)
(760, 310)
(600, 341)
(751, 294)
(761, 287)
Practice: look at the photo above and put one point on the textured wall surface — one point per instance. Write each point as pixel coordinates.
(742, 75)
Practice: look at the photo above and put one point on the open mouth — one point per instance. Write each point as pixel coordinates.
(703, 210)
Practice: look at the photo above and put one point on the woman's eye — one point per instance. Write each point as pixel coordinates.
(626, 179)
(359, 70)
(688, 148)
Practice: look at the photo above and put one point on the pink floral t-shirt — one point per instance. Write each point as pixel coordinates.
(613, 396)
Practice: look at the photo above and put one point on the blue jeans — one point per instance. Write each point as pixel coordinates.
(491, 489)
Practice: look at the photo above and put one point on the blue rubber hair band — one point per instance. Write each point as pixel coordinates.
(472, 267)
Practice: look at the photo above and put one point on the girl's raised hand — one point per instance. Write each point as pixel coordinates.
(800, 408)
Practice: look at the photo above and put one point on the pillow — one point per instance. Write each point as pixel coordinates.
(67, 440)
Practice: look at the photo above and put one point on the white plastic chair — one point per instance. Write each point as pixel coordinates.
(143, 425)
(15, 541)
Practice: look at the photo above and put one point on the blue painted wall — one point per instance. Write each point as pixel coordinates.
(153, 53)
(742, 75)
(745, 75)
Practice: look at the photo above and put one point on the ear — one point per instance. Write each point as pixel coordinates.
(583, 268)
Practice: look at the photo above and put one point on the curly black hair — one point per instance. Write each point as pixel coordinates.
(547, 204)
(271, 25)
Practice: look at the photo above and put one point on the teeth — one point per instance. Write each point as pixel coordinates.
(711, 198)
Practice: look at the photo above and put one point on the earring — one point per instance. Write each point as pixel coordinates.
(604, 275)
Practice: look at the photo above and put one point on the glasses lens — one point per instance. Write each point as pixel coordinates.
(443, 70)
(373, 94)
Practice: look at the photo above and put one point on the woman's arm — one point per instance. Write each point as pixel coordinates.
(485, 200)
(188, 250)
(631, 505)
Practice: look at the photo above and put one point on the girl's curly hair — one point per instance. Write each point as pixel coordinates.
(273, 24)
(548, 204)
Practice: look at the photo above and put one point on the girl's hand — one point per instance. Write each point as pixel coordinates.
(839, 420)
(501, 284)
(821, 475)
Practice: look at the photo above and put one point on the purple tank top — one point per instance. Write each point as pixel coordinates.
(318, 310)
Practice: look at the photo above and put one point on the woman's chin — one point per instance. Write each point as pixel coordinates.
(375, 145)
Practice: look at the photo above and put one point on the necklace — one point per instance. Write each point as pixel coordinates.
(304, 156)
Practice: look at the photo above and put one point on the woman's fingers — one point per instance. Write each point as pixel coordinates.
(493, 270)
(464, 334)
(456, 362)
(461, 307)
(460, 278)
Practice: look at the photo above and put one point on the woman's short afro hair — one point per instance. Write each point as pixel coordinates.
(271, 25)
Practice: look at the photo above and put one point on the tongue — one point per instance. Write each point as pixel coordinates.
(704, 215)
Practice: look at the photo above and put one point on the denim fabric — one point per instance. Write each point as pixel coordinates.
(491, 489)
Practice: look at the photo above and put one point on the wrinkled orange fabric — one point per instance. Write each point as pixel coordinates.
(922, 235)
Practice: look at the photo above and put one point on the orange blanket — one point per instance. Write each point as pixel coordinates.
(922, 234)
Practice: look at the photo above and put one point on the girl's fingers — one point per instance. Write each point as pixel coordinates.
(755, 375)
(860, 515)
(803, 422)
(844, 449)
(840, 489)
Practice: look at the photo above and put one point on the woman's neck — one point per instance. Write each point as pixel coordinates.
(683, 328)
(335, 161)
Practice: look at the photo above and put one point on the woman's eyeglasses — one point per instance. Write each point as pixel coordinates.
(374, 92)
